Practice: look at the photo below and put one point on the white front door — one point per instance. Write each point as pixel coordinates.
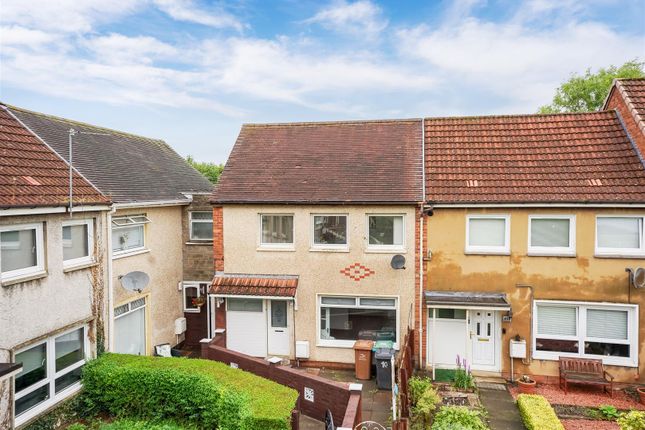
(483, 336)
(246, 326)
(278, 327)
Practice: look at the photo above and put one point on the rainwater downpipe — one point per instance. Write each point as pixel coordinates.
(423, 198)
(110, 283)
(529, 342)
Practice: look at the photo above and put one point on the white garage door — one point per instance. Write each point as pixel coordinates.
(246, 326)
(130, 328)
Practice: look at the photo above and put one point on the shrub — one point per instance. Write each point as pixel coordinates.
(632, 420)
(417, 387)
(537, 413)
(426, 404)
(608, 412)
(458, 417)
(463, 378)
(199, 393)
(129, 424)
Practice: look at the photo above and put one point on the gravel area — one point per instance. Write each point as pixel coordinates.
(583, 396)
(589, 424)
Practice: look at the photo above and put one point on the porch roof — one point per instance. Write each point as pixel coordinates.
(237, 284)
(466, 299)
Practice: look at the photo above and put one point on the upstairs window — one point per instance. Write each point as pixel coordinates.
(21, 251)
(552, 235)
(488, 234)
(330, 231)
(620, 236)
(385, 232)
(128, 233)
(78, 242)
(201, 225)
(276, 231)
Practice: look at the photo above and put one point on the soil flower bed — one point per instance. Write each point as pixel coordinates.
(583, 396)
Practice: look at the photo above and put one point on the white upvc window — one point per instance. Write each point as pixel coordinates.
(78, 242)
(346, 319)
(128, 234)
(329, 232)
(488, 234)
(194, 296)
(552, 235)
(620, 236)
(277, 231)
(385, 232)
(584, 329)
(21, 251)
(51, 372)
(201, 225)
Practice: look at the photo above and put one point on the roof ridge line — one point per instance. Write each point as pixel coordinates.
(339, 122)
(521, 115)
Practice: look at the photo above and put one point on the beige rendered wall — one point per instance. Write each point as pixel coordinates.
(580, 278)
(162, 261)
(319, 271)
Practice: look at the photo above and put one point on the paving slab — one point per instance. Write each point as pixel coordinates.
(502, 411)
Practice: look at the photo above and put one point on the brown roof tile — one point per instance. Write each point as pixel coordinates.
(329, 162)
(32, 174)
(562, 158)
(633, 91)
(255, 285)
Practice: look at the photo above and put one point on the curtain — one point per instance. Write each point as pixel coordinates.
(619, 232)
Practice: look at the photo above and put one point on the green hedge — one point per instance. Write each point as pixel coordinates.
(199, 393)
(537, 413)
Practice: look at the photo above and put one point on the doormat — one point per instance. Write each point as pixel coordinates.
(444, 375)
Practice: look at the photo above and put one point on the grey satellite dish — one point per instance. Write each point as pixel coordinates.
(135, 281)
(398, 262)
(639, 278)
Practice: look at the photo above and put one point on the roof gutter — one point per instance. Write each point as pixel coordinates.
(177, 202)
(41, 210)
(534, 205)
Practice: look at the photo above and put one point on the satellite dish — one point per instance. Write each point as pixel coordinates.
(639, 278)
(398, 262)
(135, 281)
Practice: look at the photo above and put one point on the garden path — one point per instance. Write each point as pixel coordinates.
(502, 411)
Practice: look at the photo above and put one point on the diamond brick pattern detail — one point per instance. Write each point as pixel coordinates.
(357, 271)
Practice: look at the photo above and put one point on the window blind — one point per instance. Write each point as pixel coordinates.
(619, 232)
(486, 232)
(607, 324)
(556, 320)
(550, 232)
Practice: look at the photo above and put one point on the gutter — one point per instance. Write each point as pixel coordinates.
(147, 204)
(536, 205)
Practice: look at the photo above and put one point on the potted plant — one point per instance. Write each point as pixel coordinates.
(198, 301)
(641, 394)
(526, 384)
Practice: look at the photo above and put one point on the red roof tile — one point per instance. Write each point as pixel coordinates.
(633, 91)
(562, 158)
(329, 162)
(255, 285)
(32, 174)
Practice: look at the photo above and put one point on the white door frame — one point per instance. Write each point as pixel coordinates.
(287, 329)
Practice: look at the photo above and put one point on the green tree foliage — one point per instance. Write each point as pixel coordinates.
(210, 170)
(586, 93)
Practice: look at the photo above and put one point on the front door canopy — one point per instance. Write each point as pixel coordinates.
(467, 300)
(254, 286)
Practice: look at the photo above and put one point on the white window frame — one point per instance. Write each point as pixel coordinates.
(204, 221)
(581, 330)
(88, 259)
(385, 248)
(554, 251)
(490, 250)
(622, 252)
(39, 268)
(338, 343)
(52, 375)
(277, 246)
(119, 222)
(192, 284)
(344, 247)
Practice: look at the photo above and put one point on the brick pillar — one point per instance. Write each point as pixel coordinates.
(218, 238)
(420, 265)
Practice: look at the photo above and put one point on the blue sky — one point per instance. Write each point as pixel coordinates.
(192, 71)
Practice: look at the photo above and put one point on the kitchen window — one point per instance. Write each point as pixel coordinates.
(552, 235)
(128, 234)
(329, 232)
(201, 226)
(78, 242)
(588, 330)
(51, 371)
(385, 232)
(21, 251)
(276, 231)
(488, 234)
(620, 236)
(194, 296)
(345, 319)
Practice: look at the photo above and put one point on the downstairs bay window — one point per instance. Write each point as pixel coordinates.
(345, 319)
(590, 330)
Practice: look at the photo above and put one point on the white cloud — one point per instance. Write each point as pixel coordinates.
(119, 49)
(15, 35)
(360, 17)
(185, 10)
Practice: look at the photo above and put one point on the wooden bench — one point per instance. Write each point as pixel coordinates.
(584, 371)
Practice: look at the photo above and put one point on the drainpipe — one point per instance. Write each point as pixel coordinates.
(423, 198)
(527, 361)
(110, 283)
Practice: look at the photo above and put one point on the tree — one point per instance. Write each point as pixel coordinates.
(210, 170)
(587, 93)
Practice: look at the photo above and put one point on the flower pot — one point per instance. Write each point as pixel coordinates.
(641, 394)
(527, 387)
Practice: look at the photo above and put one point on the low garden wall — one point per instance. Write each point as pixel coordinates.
(317, 394)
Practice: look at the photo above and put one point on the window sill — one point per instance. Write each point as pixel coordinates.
(130, 254)
(624, 256)
(79, 266)
(386, 251)
(482, 252)
(23, 278)
(276, 248)
(343, 344)
(316, 249)
(606, 360)
(202, 242)
(550, 254)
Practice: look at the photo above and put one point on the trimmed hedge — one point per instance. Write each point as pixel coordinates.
(537, 413)
(199, 393)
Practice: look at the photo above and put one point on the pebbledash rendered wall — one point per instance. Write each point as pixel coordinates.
(320, 272)
(583, 278)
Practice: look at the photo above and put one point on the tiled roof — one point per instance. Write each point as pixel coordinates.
(255, 285)
(327, 162)
(126, 167)
(633, 92)
(562, 158)
(32, 174)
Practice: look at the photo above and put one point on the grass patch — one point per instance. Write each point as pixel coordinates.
(444, 375)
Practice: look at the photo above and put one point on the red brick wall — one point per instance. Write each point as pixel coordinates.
(218, 238)
(617, 102)
(420, 337)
